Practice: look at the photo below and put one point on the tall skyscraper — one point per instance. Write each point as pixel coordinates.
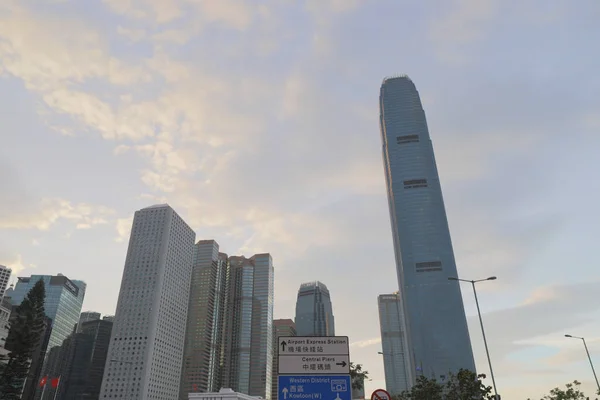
(314, 312)
(229, 326)
(249, 326)
(437, 333)
(79, 362)
(203, 356)
(4, 277)
(146, 350)
(99, 331)
(64, 298)
(393, 343)
(87, 316)
(281, 327)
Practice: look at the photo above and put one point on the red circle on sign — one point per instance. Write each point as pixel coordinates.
(381, 394)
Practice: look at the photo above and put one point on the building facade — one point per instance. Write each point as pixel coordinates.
(249, 326)
(5, 311)
(87, 316)
(64, 299)
(281, 328)
(437, 334)
(147, 341)
(79, 362)
(393, 343)
(99, 331)
(223, 394)
(314, 311)
(203, 357)
(4, 278)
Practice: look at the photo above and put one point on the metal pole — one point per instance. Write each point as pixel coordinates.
(57, 386)
(591, 364)
(484, 340)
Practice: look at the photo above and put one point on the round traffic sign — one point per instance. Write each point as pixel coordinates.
(381, 394)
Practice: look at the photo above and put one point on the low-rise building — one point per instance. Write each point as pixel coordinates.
(223, 394)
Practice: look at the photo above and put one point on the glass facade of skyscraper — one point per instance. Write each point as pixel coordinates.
(249, 326)
(64, 299)
(393, 343)
(437, 334)
(314, 312)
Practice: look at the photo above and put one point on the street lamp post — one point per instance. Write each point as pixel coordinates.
(589, 358)
(124, 362)
(487, 352)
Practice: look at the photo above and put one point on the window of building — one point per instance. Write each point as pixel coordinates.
(407, 139)
(429, 266)
(415, 183)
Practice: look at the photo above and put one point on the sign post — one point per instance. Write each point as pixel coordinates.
(314, 368)
(381, 394)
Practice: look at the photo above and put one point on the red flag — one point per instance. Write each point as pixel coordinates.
(54, 382)
(43, 381)
(195, 387)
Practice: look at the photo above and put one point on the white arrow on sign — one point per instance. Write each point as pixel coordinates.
(285, 392)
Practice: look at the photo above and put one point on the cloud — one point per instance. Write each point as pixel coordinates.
(43, 215)
(123, 227)
(366, 343)
(134, 35)
(48, 53)
(16, 264)
(466, 22)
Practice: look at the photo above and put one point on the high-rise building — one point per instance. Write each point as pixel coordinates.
(87, 316)
(249, 326)
(99, 331)
(5, 311)
(110, 318)
(393, 343)
(436, 325)
(314, 312)
(64, 298)
(229, 327)
(4, 277)
(79, 362)
(281, 328)
(147, 341)
(203, 356)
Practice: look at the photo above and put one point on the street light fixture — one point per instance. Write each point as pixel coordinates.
(487, 352)
(589, 358)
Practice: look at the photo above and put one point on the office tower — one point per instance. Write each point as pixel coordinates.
(436, 325)
(249, 326)
(100, 332)
(146, 349)
(203, 355)
(281, 327)
(79, 362)
(314, 312)
(87, 316)
(5, 311)
(4, 277)
(393, 343)
(110, 318)
(64, 298)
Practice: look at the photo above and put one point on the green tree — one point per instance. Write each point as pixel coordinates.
(424, 389)
(467, 385)
(23, 338)
(358, 376)
(571, 392)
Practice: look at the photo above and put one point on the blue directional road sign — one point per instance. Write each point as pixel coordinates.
(314, 387)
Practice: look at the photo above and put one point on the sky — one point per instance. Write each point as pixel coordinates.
(257, 121)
